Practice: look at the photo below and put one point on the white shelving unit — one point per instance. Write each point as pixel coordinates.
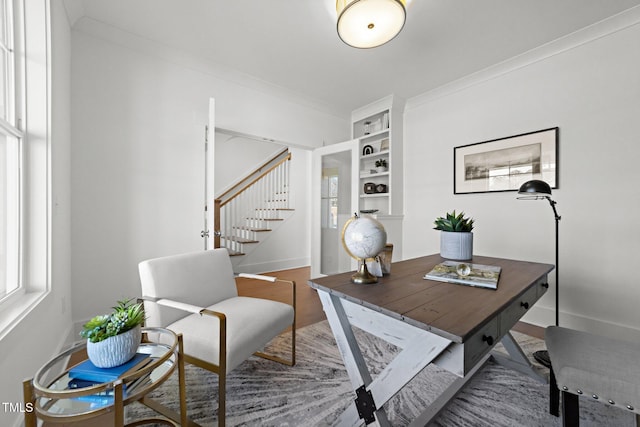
(377, 127)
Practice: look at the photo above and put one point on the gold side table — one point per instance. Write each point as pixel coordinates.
(48, 397)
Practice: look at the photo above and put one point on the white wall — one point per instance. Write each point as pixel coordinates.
(247, 154)
(139, 113)
(40, 334)
(589, 86)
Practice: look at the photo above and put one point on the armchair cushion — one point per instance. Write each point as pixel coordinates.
(251, 324)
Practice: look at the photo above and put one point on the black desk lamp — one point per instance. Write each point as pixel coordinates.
(540, 190)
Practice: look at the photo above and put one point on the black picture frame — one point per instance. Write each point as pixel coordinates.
(504, 164)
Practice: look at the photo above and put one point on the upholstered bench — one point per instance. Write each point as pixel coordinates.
(596, 367)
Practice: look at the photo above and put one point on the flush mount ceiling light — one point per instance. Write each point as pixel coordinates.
(369, 23)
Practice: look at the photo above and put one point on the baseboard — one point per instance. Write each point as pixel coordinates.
(544, 316)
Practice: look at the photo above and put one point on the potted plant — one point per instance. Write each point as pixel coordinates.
(456, 238)
(113, 339)
(381, 165)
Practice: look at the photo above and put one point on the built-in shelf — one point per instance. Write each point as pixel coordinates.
(374, 195)
(382, 153)
(364, 175)
(382, 121)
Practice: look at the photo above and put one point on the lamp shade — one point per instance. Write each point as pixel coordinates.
(534, 189)
(369, 23)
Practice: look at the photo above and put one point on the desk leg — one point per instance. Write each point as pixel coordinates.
(436, 407)
(517, 360)
(354, 363)
(419, 349)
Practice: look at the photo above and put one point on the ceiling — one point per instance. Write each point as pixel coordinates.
(293, 43)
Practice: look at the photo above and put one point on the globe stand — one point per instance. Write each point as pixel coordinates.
(363, 238)
(362, 276)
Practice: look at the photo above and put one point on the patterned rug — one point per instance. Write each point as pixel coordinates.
(316, 390)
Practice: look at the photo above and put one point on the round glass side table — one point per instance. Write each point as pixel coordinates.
(49, 396)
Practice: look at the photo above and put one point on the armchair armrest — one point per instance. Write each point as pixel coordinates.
(266, 278)
(258, 277)
(292, 285)
(190, 308)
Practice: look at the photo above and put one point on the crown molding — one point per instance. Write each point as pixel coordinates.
(593, 32)
(75, 10)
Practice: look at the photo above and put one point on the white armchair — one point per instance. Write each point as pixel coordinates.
(195, 294)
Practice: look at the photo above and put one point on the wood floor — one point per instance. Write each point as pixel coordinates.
(308, 306)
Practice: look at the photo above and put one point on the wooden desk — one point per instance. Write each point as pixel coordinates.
(453, 326)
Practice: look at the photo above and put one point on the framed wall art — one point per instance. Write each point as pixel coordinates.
(505, 164)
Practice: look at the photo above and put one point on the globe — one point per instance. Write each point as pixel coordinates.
(363, 237)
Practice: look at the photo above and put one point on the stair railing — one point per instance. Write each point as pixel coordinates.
(240, 211)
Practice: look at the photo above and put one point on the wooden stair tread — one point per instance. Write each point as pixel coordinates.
(257, 230)
(239, 239)
(234, 253)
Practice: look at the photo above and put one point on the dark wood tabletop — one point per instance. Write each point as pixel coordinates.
(450, 310)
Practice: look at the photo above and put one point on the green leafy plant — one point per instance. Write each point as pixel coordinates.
(125, 316)
(453, 222)
(381, 163)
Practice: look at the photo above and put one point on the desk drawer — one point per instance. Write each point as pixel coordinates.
(461, 358)
(542, 286)
(480, 344)
(512, 314)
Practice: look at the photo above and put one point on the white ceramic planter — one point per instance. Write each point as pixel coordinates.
(114, 351)
(456, 245)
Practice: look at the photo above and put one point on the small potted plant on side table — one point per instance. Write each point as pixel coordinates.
(456, 238)
(113, 339)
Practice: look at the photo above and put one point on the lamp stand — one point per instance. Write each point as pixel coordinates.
(542, 356)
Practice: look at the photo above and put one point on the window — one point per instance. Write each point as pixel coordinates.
(25, 155)
(10, 142)
(329, 197)
(9, 214)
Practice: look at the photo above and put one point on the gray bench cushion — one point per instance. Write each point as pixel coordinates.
(596, 366)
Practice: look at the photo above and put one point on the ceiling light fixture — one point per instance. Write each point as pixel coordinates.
(369, 23)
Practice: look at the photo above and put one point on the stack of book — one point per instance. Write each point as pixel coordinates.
(482, 276)
(86, 374)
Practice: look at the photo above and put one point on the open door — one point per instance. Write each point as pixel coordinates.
(334, 201)
(209, 230)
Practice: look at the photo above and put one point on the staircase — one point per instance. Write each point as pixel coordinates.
(253, 208)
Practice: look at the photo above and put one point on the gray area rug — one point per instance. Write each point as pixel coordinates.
(316, 390)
